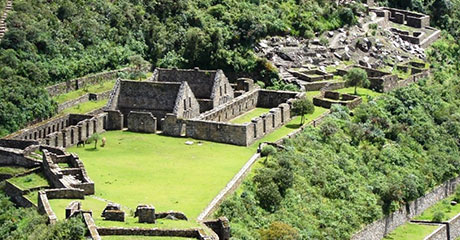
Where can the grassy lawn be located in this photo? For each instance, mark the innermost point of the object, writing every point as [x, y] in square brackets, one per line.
[33, 197]
[136, 168]
[442, 206]
[96, 88]
[245, 118]
[86, 107]
[97, 206]
[410, 231]
[12, 170]
[30, 181]
[362, 92]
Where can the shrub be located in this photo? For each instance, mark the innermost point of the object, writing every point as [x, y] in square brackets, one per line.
[438, 216]
[279, 231]
[267, 151]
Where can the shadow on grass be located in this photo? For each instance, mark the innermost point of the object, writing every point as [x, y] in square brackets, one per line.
[92, 149]
[293, 126]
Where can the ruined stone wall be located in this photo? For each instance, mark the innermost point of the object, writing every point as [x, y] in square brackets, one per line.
[413, 19]
[218, 132]
[16, 157]
[271, 98]
[85, 98]
[230, 110]
[413, 78]
[439, 234]
[120, 231]
[378, 229]
[222, 92]
[142, 122]
[78, 83]
[200, 81]
[186, 105]
[454, 227]
[15, 193]
[431, 39]
[44, 207]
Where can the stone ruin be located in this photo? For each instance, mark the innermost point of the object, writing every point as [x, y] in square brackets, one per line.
[328, 98]
[198, 104]
[113, 212]
[380, 41]
[145, 213]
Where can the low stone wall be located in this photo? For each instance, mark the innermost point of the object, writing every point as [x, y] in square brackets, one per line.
[82, 99]
[454, 227]
[439, 234]
[16, 157]
[16, 195]
[432, 38]
[328, 98]
[230, 110]
[218, 132]
[142, 122]
[91, 226]
[185, 233]
[413, 78]
[221, 227]
[65, 193]
[380, 228]
[44, 207]
[78, 83]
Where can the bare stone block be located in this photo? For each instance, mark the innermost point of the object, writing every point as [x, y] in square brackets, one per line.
[146, 213]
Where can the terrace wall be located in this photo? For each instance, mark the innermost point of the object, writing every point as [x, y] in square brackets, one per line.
[185, 233]
[230, 110]
[44, 207]
[380, 228]
[85, 98]
[78, 83]
[454, 227]
[16, 157]
[439, 234]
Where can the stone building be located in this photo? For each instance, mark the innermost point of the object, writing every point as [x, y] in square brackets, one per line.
[142, 106]
[211, 87]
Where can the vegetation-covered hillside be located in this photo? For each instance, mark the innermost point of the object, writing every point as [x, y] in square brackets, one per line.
[352, 170]
[28, 224]
[53, 41]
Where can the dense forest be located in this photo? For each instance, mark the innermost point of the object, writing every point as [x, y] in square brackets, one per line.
[352, 170]
[20, 223]
[53, 41]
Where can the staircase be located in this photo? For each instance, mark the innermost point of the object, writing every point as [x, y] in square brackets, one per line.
[8, 7]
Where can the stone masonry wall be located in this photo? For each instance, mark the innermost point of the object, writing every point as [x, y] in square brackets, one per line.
[439, 234]
[454, 227]
[230, 110]
[142, 122]
[78, 83]
[119, 231]
[378, 229]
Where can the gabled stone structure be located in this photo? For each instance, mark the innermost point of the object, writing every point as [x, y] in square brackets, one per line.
[211, 87]
[132, 98]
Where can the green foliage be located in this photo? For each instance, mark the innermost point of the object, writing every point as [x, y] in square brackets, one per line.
[356, 77]
[354, 169]
[267, 150]
[26, 223]
[438, 216]
[54, 41]
[303, 106]
[279, 231]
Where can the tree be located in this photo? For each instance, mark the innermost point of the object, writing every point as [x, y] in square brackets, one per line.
[94, 138]
[279, 231]
[138, 62]
[303, 106]
[357, 77]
